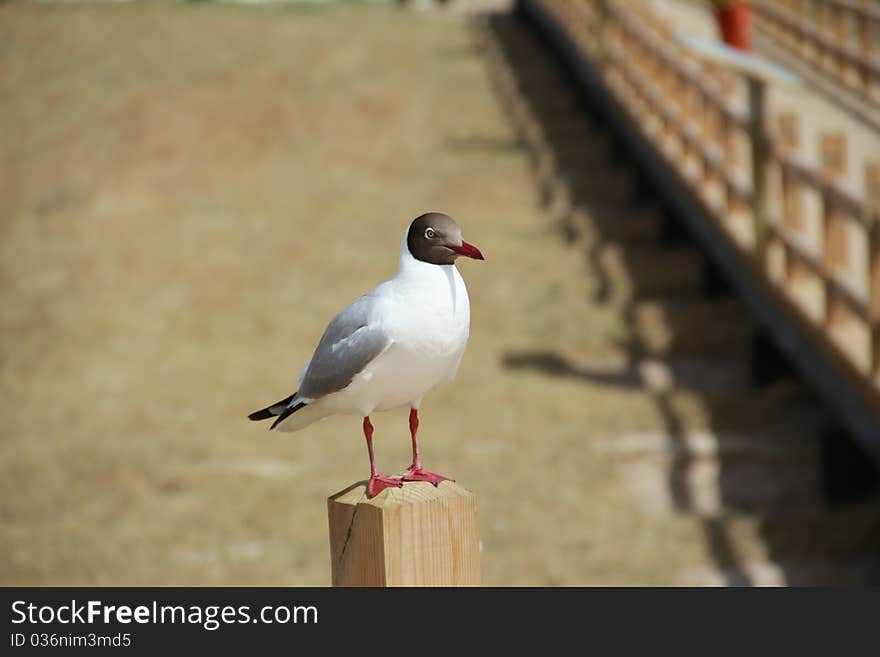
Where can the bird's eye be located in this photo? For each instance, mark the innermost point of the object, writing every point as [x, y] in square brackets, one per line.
[429, 233]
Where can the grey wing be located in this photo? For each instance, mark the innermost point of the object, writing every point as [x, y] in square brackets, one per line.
[350, 342]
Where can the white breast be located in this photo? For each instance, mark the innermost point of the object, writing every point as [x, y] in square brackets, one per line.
[426, 312]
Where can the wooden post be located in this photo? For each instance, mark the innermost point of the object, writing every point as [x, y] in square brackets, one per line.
[418, 535]
[667, 87]
[823, 19]
[709, 131]
[833, 154]
[760, 153]
[602, 16]
[835, 249]
[728, 139]
[688, 88]
[872, 188]
[866, 49]
[841, 28]
[802, 19]
[792, 193]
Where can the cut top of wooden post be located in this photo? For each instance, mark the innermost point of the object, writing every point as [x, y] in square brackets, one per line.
[417, 535]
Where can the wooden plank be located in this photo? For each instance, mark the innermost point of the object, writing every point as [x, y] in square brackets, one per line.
[417, 535]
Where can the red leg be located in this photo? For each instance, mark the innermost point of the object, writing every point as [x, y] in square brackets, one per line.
[415, 472]
[414, 434]
[378, 483]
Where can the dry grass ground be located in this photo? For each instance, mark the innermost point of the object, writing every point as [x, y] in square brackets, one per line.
[188, 194]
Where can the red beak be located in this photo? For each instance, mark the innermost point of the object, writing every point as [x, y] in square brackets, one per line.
[468, 250]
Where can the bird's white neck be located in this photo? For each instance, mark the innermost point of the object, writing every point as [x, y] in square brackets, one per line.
[410, 267]
[439, 286]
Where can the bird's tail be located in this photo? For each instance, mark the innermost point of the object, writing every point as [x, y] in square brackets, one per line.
[272, 410]
[281, 410]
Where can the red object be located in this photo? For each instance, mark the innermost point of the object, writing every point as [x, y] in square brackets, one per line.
[468, 250]
[378, 483]
[415, 472]
[735, 22]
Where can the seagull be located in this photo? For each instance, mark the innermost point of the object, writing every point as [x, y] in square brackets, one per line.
[391, 346]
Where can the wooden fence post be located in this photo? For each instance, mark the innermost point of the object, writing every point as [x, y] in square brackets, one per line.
[710, 133]
[806, 50]
[833, 155]
[835, 247]
[821, 22]
[602, 15]
[417, 535]
[872, 192]
[792, 188]
[760, 155]
[840, 29]
[866, 49]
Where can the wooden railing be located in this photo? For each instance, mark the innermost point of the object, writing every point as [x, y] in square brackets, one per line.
[839, 37]
[804, 228]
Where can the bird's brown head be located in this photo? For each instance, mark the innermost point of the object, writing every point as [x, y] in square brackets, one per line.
[435, 238]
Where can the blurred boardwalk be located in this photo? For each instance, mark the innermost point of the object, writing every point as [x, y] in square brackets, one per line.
[822, 108]
[181, 219]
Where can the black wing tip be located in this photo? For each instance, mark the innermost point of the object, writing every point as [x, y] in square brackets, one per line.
[272, 410]
[286, 414]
